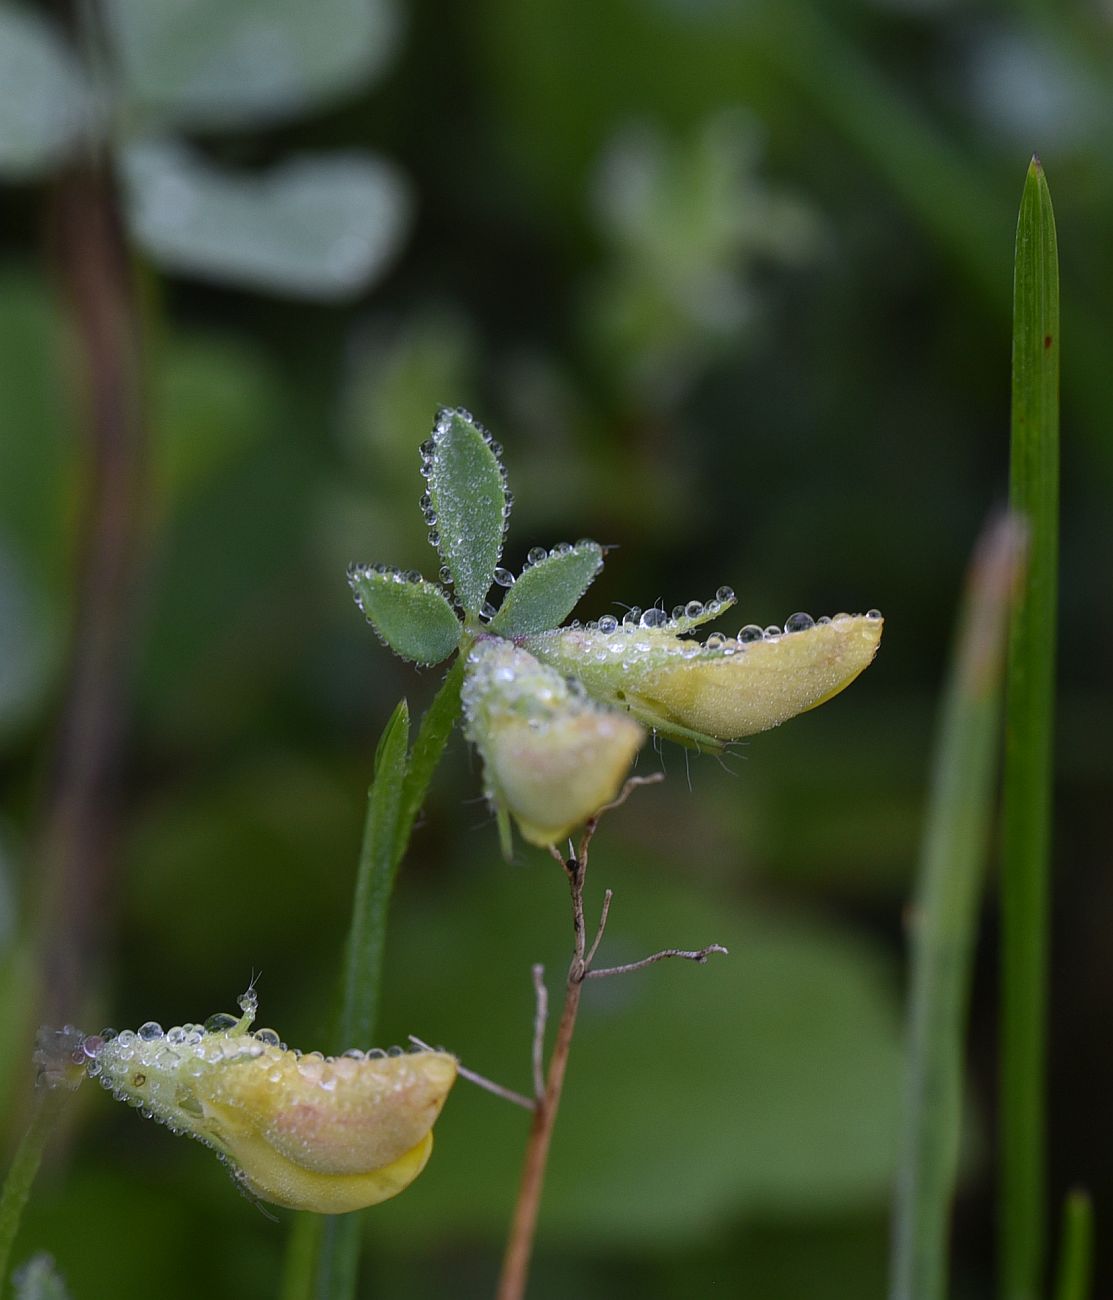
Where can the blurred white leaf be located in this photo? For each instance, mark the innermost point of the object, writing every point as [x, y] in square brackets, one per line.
[44, 100]
[238, 62]
[318, 226]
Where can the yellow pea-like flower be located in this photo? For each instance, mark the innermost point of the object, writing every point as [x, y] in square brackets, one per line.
[720, 690]
[552, 757]
[309, 1132]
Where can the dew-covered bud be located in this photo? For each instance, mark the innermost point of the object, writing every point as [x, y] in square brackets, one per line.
[309, 1132]
[725, 689]
[551, 756]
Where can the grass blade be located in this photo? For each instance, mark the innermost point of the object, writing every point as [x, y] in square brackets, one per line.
[952, 869]
[1076, 1248]
[1029, 720]
[397, 792]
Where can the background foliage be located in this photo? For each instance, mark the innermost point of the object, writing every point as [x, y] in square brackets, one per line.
[731, 285]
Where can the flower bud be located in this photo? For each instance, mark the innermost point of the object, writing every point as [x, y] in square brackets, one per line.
[725, 688]
[551, 756]
[309, 1132]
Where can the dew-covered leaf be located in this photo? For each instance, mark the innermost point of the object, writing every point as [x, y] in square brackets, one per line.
[468, 504]
[206, 63]
[413, 617]
[318, 226]
[44, 99]
[549, 589]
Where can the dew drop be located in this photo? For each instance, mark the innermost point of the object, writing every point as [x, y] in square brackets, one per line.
[799, 622]
[772, 632]
[219, 1022]
[724, 594]
[874, 615]
[751, 632]
[715, 641]
[445, 574]
[654, 618]
[488, 611]
[151, 1030]
[823, 620]
[537, 554]
[413, 576]
[504, 577]
[677, 612]
[693, 609]
[608, 624]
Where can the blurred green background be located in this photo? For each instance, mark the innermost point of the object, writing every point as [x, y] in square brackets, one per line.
[731, 284]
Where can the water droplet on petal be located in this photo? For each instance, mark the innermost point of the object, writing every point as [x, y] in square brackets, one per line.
[693, 609]
[772, 632]
[152, 1029]
[504, 577]
[724, 594]
[654, 618]
[537, 554]
[799, 622]
[751, 632]
[715, 641]
[219, 1022]
[608, 623]
[874, 614]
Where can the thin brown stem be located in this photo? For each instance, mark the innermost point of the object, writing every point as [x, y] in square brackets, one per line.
[523, 1229]
[481, 1080]
[699, 956]
[540, 1020]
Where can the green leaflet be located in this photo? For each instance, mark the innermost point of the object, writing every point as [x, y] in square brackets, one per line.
[548, 589]
[412, 616]
[468, 504]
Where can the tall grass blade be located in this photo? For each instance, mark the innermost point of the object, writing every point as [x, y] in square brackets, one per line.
[952, 869]
[1076, 1248]
[1029, 719]
[401, 781]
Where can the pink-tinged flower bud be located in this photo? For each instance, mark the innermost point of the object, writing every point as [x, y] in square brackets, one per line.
[724, 689]
[551, 756]
[310, 1132]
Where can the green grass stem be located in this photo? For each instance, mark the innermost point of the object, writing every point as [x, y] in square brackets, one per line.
[398, 788]
[944, 917]
[25, 1165]
[1029, 723]
[1076, 1248]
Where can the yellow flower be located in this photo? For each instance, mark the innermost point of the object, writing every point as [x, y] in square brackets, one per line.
[721, 690]
[551, 756]
[310, 1132]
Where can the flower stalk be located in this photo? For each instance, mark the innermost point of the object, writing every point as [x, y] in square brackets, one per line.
[523, 1226]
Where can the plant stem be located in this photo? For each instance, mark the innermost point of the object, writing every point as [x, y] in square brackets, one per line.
[25, 1165]
[523, 1227]
[397, 791]
[1029, 721]
[1076, 1248]
[945, 911]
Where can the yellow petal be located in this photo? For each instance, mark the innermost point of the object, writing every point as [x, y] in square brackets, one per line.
[551, 756]
[722, 690]
[328, 1134]
[764, 683]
